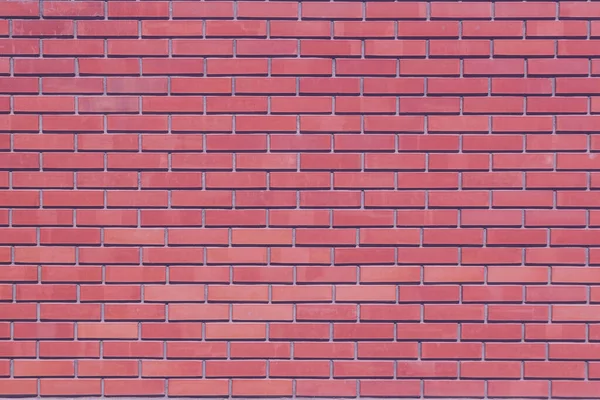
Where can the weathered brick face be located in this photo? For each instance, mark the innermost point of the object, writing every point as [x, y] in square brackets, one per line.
[310, 199]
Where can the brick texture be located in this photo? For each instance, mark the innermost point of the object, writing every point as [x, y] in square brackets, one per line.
[300, 199]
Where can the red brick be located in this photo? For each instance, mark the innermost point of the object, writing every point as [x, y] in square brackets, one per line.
[62, 387]
[420, 143]
[98, 255]
[195, 312]
[558, 67]
[94, 28]
[559, 29]
[400, 86]
[515, 351]
[324, 10]
[365, 179]
[416, 10]
[93, 368]
[550, 369]
[512, 86]
[329, 85]
[449, 10]
[21, 10]
[18, 387]
[306, 350]
[70, 312]
[541, 10]
[42, 28]
[142, 10]
[490, 369]
[575, 389]
[338, 387]
[363, 369]
[51, 66]
[88, 274]
[125, 387]
[131, 312]
[258, 350]
[277, 10]
[293, 368]
[17, 312]
[494, 29]
[29, 368]
[270, 387]
[505, 274]
[179, 331]
[85, 9]
[395, 48]
[248, 331]
[44, 330]
[238, 368]
[518, 388]
[375, 331]
[192, 387]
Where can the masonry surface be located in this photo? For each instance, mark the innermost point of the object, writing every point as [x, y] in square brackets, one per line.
[314, 199]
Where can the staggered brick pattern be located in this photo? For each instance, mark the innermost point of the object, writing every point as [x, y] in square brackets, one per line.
[309, 199]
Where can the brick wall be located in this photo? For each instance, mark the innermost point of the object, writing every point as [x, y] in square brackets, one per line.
[315, 199]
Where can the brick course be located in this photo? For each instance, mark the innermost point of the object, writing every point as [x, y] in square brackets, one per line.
[309, 199]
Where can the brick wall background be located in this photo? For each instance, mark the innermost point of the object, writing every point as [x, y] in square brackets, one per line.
[351, 199]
